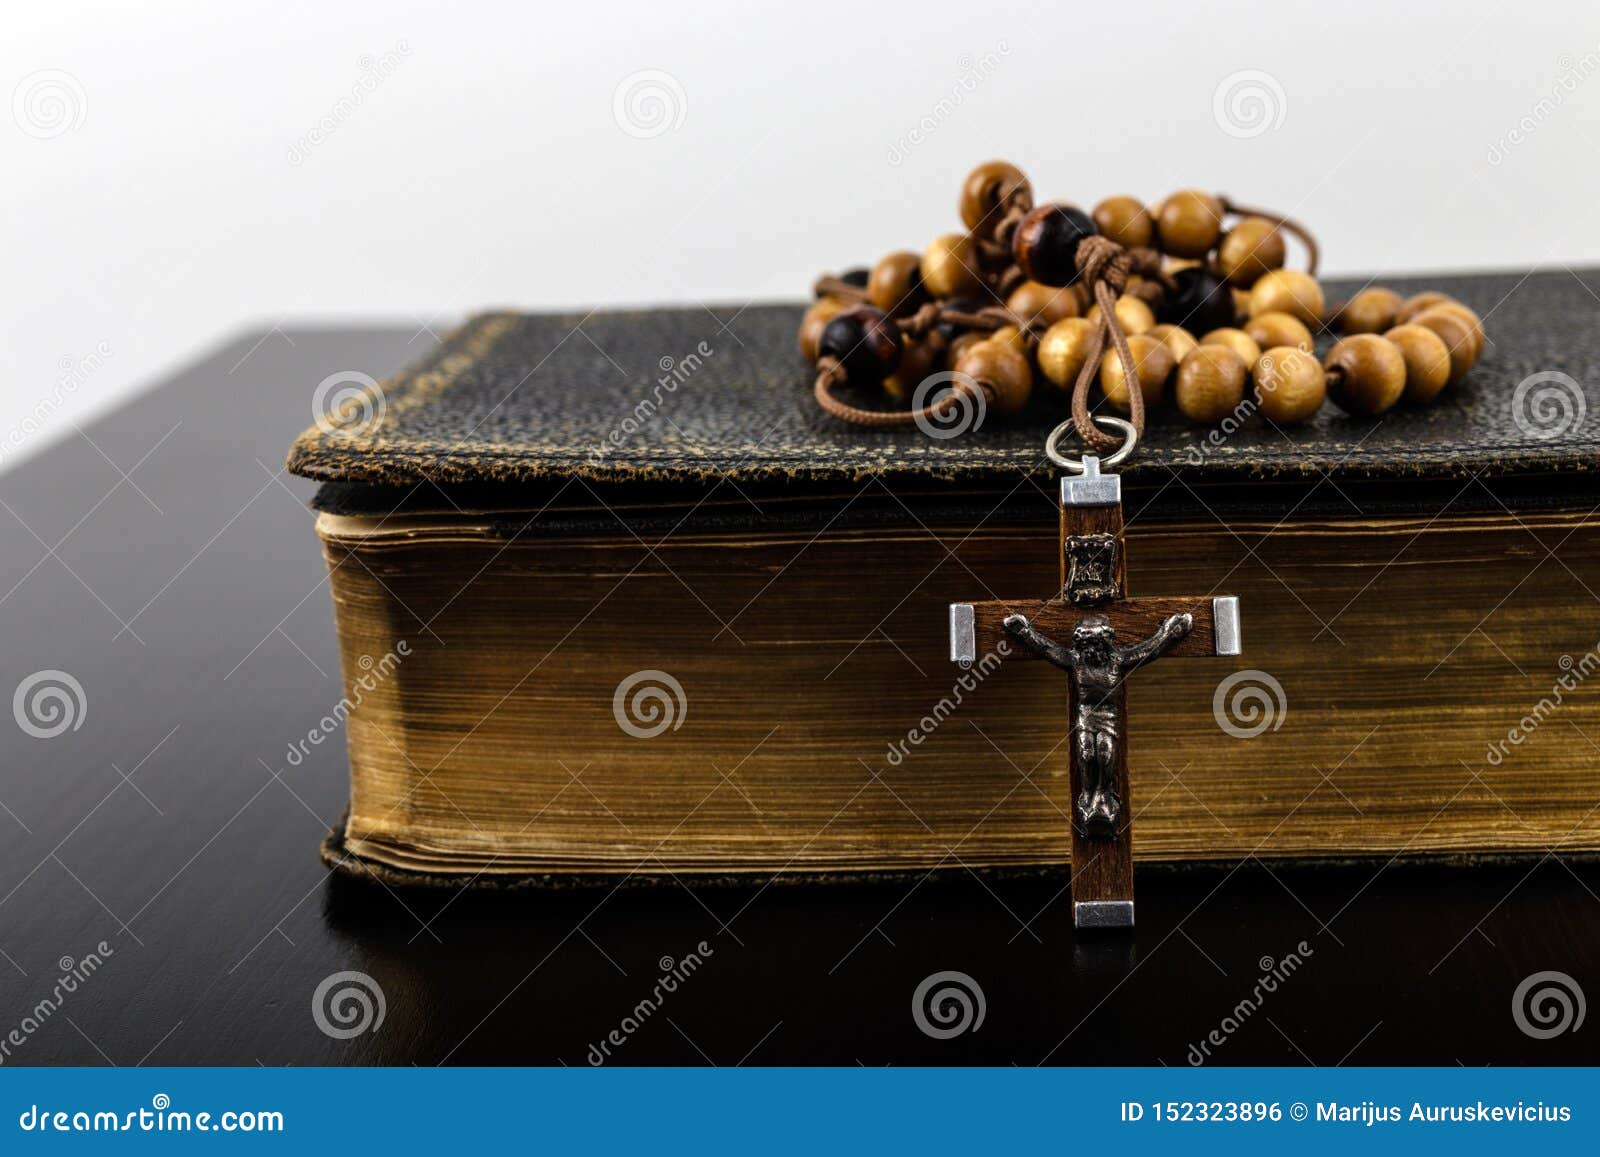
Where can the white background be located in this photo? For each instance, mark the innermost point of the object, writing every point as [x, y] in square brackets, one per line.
[165, 206]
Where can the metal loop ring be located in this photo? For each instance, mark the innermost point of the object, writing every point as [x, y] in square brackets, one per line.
[1107, 422]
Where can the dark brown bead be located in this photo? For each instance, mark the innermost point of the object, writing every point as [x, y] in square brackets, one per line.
[865, 342]
[916, 363]
[895, 285]
[1046, 243]
[987, 189]
[816, 319]
[1198, 301]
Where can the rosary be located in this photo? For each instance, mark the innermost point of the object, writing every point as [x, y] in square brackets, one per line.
[1076, 297]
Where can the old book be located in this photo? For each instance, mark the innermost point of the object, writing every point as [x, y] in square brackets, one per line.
[615, 600]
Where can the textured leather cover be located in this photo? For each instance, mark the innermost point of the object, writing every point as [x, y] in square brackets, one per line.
[510, 401]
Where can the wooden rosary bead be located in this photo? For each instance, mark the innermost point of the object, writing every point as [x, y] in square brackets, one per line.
[1241, 304]
[1042, 305]
[1151, 362]
[1458, 339]
[865, 342]
[1124, 220]
[1210, 383]
[822, 311]
[1252, 247]
[1367, 375]
[1045, 244]
[917, 360]
[1003, 370]
[1132, 314]
[1275, 329]
[1417, 302]
[1178, 340]
[961, 344]
[1063, 349]
[1241, 343]
[895, 285]
[1012, 336]
[1471, 318]
[1290, 384]
[986, 188]
[1288, 291]
[1370, 311]
[1427, 360]
[1189, 223]
[1198, 301]
[950, 267]
[856, 277]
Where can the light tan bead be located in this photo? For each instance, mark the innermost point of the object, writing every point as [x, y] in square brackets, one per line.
[1288, 291]
[1471, 318]
[1124, 220]
[1417, 302]
[1241, 303]
[1151, 361]
[1366, 374]
[950, 267]
[917, 360]
[1010, 335]
[1171, 265]
[1241, 343]
[1210, 383]
[986, 187]
[1178, 340]
[1063, 349]
[822, 311]
[1043, 305]
[1290, 384]
[1457, 334]
[961, 343]
[1370, 311]
[1275, 329]
[1252, 247]
[1132, 314]
[895, 283]
[1427, 360]
[1190, 223]
[1005, 372]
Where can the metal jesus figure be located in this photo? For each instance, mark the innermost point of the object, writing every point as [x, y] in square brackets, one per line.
[1097, 667]
[1089, 612]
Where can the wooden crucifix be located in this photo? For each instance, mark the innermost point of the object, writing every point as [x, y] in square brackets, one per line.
[1078, 630]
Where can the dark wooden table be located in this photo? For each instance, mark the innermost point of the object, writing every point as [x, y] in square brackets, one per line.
[163, 560]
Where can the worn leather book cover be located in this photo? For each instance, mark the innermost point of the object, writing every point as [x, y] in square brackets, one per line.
[548, 506]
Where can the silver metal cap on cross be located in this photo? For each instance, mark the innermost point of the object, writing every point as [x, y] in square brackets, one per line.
[1078, 630]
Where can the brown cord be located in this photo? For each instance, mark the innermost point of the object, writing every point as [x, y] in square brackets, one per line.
[830, 286]
[830, 374]
[1282, 222]
[1105, 267]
